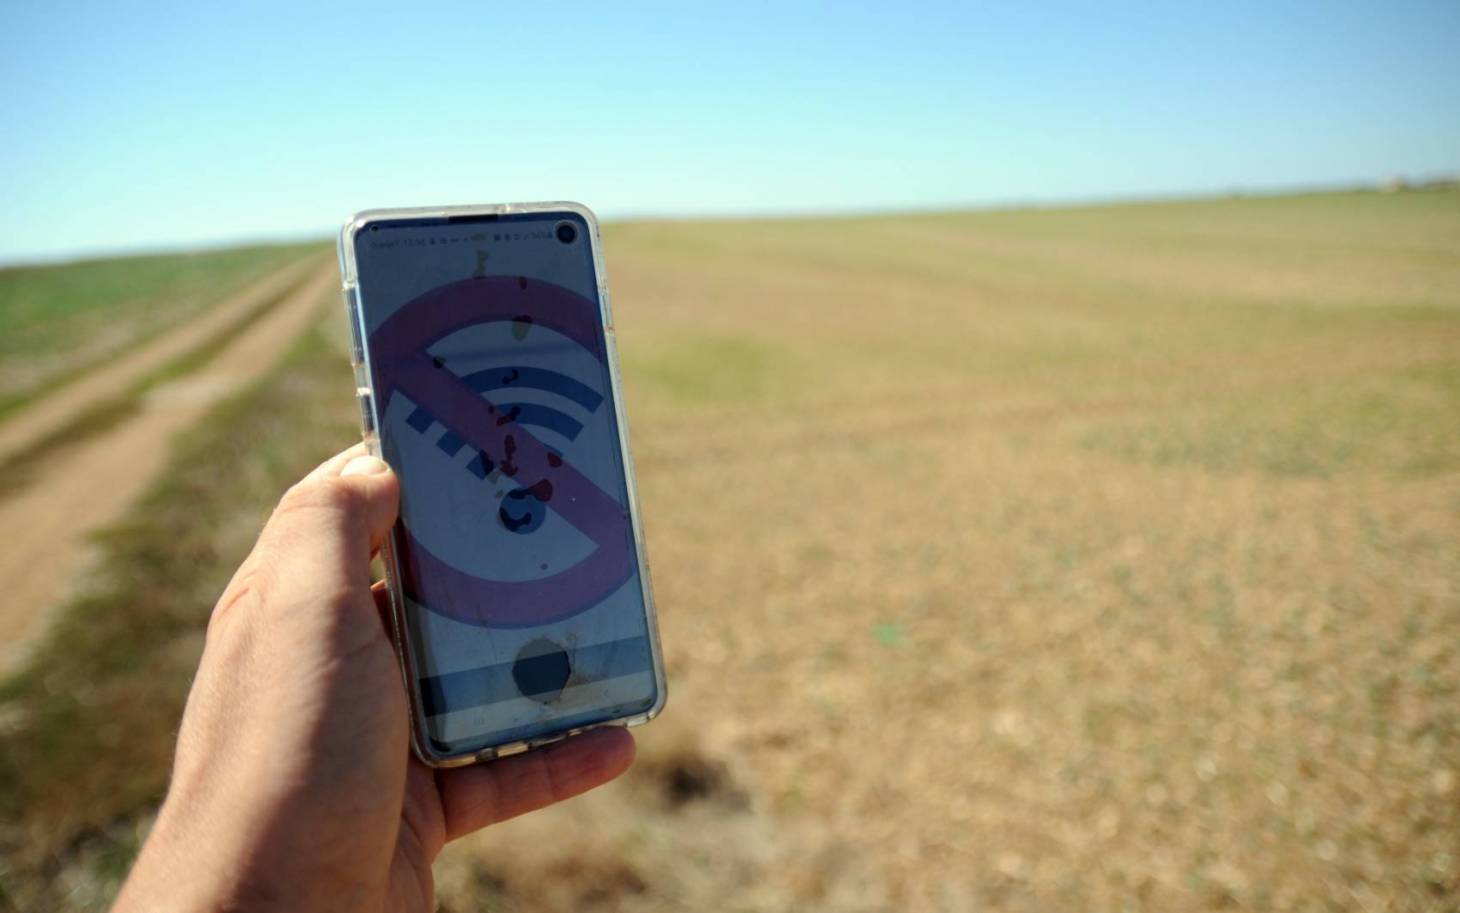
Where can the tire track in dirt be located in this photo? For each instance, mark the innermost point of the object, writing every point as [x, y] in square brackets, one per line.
[90, 485]
[52, 414]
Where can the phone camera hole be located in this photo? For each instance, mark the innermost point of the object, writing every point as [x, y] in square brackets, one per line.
[567, 232]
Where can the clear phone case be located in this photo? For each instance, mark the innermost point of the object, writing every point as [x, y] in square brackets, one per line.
[370, 422]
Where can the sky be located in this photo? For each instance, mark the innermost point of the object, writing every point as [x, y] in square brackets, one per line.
[127, 127]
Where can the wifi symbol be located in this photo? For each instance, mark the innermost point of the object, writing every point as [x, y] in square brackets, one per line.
[524, 508]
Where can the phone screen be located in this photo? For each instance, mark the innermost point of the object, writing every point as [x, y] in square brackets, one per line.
[494, 389]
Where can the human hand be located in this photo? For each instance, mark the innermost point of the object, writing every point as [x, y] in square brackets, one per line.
[294, 787]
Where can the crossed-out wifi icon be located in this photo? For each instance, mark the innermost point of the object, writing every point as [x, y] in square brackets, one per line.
[511, 421]
[525, 507]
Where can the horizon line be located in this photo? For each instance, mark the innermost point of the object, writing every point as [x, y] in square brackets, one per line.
[1437, 180]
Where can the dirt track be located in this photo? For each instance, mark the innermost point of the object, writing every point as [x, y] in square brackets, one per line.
[50, 414]
[91, 484]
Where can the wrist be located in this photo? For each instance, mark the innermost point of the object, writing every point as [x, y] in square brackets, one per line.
[169, 877]
[205, 857]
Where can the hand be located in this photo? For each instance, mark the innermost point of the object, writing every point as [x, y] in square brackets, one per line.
[294, 787]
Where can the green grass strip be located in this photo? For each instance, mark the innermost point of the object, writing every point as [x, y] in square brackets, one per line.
[89, 721]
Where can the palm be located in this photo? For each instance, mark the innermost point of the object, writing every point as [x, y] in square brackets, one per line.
[442, 805]
[422, 835]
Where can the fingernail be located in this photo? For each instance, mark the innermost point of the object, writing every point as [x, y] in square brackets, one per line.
[364, 466]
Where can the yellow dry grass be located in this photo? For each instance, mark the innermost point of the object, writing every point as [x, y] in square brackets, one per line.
[1099, 559]
[1080, 560]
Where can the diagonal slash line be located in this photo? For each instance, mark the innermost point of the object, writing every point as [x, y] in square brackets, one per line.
[473, 417]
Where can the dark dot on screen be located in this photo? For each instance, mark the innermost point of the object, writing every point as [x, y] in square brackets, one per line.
[438, 361]
[522, 282]
[542, 567]
[513, 524]
[554, 460]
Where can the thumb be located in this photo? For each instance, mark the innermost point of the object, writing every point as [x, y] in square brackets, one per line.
[318, 543]
[376, 486]
[346, 506]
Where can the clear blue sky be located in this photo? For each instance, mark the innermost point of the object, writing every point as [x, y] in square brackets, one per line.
[129, 126]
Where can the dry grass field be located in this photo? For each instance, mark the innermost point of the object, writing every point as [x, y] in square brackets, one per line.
[1094, 559]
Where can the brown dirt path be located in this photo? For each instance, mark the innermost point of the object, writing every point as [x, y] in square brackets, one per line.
[91, 485]
[40, 420]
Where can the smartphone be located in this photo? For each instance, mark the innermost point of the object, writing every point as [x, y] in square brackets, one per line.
[487, 378]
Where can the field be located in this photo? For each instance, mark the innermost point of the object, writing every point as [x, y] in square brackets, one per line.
[64, 318]
[1086, 559]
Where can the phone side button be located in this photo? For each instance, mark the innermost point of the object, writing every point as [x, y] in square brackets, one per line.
[607, 310]
[352, 316]
[367, 414]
